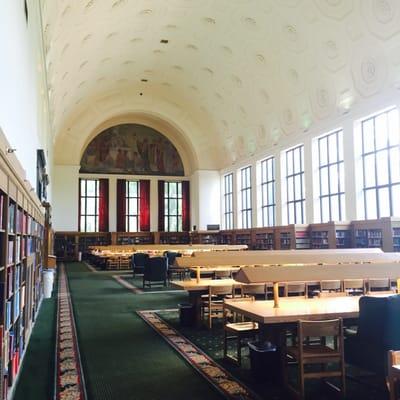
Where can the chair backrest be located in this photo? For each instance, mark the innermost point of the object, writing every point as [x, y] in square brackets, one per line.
[254, 289]
[332, 294]
[171, 255]
[379, 321]
[377, 284]
[156, 269]
[353, 284]
[219, 290]
[296, 288]
[113, 261]
[139, 259]
[332, 327]
[331, 285]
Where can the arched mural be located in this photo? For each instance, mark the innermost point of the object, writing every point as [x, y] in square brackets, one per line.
[131, 149]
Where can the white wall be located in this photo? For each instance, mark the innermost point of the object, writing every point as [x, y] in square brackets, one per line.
[22, 116]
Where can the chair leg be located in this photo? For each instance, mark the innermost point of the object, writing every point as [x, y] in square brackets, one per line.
[301, 379]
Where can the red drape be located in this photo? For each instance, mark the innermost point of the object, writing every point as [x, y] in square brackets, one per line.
[161, 206]
[103, 205]
[144, 187]
[79, 205]
[185, 205]
[121, 205]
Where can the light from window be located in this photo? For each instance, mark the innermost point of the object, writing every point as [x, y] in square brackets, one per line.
[173, 206]
[268, 203]
[295, 191]
[228, 201]
[89, 202]
[331, 176]
[381, 164]
[245, 196]
[132, 206]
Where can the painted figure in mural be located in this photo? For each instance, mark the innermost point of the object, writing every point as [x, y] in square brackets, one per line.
[131, 149]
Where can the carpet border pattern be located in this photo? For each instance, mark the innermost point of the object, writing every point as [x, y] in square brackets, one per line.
[70, 383]
[230, 387]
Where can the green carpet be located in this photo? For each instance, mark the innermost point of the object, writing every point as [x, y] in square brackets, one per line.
[122, 357]
[138, 282]
[36, 381]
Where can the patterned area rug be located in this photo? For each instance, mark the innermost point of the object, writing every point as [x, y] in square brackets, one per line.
[70, 384]
[219, 377]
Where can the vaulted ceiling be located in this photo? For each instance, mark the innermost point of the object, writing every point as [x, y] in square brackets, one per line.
[234, 76]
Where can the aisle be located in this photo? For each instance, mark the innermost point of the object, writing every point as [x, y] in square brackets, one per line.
[122, 357]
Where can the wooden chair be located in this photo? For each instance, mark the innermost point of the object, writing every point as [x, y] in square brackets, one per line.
[354, 286]
[295, 289]
[212, 306]
[257, 291]
[332, 294]
[112, 263]
[238, 331]
[393, 373]
[379, 285]
[319, 353]
[331, 286]
[124, 263]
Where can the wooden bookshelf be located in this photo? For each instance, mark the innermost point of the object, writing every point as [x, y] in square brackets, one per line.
[205, 237]
[331, 235]
[174, 238]
[132, 238]
[227, 237]
[21, 258]
[293, 237]
[243, 236]
[263, 239]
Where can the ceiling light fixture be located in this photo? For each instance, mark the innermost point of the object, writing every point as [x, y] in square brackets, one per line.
[10, 150]
[164, 41]
[144, 80]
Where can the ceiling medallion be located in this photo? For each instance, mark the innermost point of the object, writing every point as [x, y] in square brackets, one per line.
[383, 11]
[368, 70]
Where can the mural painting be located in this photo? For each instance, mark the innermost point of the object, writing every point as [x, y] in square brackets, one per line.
[131, 149]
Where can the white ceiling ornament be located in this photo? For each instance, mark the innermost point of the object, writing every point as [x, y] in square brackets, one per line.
[369, 69]
[382, 17]
[337, 9]
[322, 98]
[288, 120]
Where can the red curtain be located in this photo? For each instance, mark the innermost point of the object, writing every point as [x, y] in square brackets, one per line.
[121, 205]
[103, 205]
[144, 187]
[185, 205]
[161, 206]
[79, 205]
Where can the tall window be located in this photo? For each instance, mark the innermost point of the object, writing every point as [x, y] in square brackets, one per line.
[132, 197]
[228, 201]
[245, 197]
[173, 206]
[268, 191]
[381, 164]
[331, 176]
[89, 205]
[295, 191]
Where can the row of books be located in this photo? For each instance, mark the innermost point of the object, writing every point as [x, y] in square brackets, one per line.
[19, 221]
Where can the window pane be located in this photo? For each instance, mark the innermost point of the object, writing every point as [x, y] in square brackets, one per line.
[91, 206]
[173, 207]
[342, 208]
[382, 166]
[323, 152]
[166, 223]
[291, 213]
[90, 224]
[341, 177]
[340, 145]
[384, 205]
[333, 179]
[395, 165]
[369, 170]
[271, 215]
[325, 209]
[83, 228]
[264, 190]
[396, 200]
[297, 187]
[179, 210]
[179, 187]
[381, 131]
[290, 189]
[133, 189]
[91, 188]
[172, 224]
[289, 162]
[248, 204]
[271, 194]
[335, 208]
[370, 198]
[368, 135]
[324, 181]
[83, 187]
[332, 147]
[296, 159]
[393, 127]
[133, 209]
[299, 217]
[172, 189]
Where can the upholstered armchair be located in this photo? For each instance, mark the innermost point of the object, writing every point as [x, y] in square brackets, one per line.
[138, 262]
[155, 271]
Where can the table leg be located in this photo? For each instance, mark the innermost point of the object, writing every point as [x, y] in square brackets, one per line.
[195, 300]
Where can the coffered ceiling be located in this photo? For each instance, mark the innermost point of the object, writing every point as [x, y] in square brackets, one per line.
[234, 76]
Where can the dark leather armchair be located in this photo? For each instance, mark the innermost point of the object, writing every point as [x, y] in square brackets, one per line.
[378, 331]
[138, 262]
[171, 256]
[155, 271]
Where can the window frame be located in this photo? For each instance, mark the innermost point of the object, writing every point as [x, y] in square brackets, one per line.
[265, 204]
[388, 147]
[293, 176]
[245, 197]
[228, 201]
[83, 213]
[129, 197]
[167, 200]
[329, 165]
